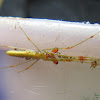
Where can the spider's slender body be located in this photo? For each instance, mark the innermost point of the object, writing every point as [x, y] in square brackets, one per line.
[48, 55]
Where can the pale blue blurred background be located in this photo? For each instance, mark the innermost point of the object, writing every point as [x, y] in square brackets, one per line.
[3, 91]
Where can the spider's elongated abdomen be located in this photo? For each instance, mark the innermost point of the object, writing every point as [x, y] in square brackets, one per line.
[31, 54]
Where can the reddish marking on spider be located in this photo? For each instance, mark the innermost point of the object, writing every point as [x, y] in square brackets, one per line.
[81, 58]
[11, 66]
[68, 48]
[55, 50]
[55, 61]
[91, 36]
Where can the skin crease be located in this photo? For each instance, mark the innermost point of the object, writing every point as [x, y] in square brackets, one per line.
[46, 80]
